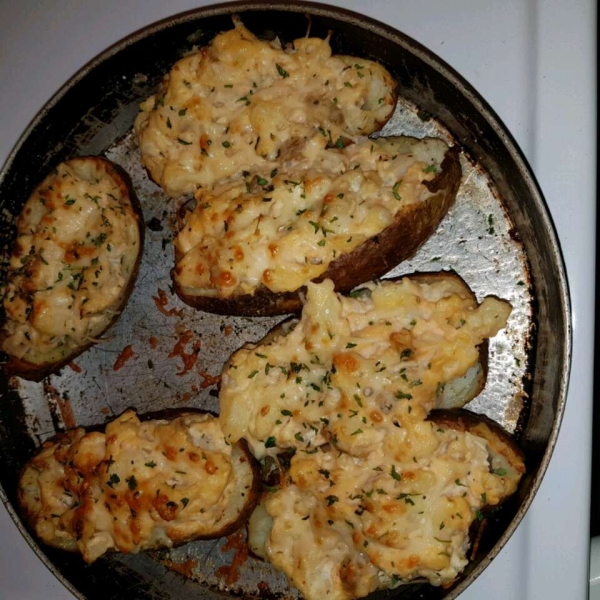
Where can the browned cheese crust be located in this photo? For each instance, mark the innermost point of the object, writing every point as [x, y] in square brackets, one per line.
[413, 225]
[38, 371]
[242, 500]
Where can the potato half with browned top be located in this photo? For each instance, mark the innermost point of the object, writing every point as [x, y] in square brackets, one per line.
[249, 247]
[240, 103]
[360, 369]
[138, 485]
[73, 266]
[384, 520]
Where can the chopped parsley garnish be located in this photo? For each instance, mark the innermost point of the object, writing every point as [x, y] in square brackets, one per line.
[500, 472]
[271, 442]
[403, 395]
[395, 473]
[182, 112]
[185, 501]
[252, 374]
[287, 413]
[282, 71]
[331, 499]
[150, 464]
[114, 478]
[131, 482]
[406, 497]
[430, 169]
[395, 190]
[350, 345]
[226, 144]
[99, 240]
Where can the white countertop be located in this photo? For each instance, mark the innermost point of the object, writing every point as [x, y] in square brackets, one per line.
[534, 62]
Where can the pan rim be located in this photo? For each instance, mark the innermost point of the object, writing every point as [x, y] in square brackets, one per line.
[465, 89]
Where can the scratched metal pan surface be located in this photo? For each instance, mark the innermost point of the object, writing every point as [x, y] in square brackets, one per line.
[498, 237]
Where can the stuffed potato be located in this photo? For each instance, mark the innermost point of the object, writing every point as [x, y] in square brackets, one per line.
[73, 266]
[138, 485]
[249, 247]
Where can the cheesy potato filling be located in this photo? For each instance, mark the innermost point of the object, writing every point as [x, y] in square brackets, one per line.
[136, 486]
[386, 518]
[282, 228]
[77, 245]
[239, 102]
[360, 371]
[375, 494]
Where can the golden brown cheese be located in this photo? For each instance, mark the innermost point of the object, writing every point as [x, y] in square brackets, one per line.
[239, 102]
[77, 246]
[375, 521]
[356, 368]
[283, 228]
[139, 485]
[375, 494]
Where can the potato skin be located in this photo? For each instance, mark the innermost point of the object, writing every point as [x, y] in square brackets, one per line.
[252, 495]
[500, 441]
[372, 259]
[37, 372]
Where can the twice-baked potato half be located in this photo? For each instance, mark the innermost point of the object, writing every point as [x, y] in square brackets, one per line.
[73, 265]
[399, 514]
[358, 370]
[249, 247]
[138, 485]
[240, 103]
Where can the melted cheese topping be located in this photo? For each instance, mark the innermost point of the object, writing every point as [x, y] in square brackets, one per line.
[356, 368]
[375, 521]
[377, 493]
[238, 103]
[284, 227]
[77, 245]
[139, 485]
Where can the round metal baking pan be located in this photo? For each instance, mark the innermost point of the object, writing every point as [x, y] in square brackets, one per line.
[499, 237]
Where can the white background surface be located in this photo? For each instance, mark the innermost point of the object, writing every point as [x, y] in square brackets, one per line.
[534, 62]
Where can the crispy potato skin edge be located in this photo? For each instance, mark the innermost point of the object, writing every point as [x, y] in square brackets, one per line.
[372, 259]
[252, 499]
[461, 419]
[37, 372]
